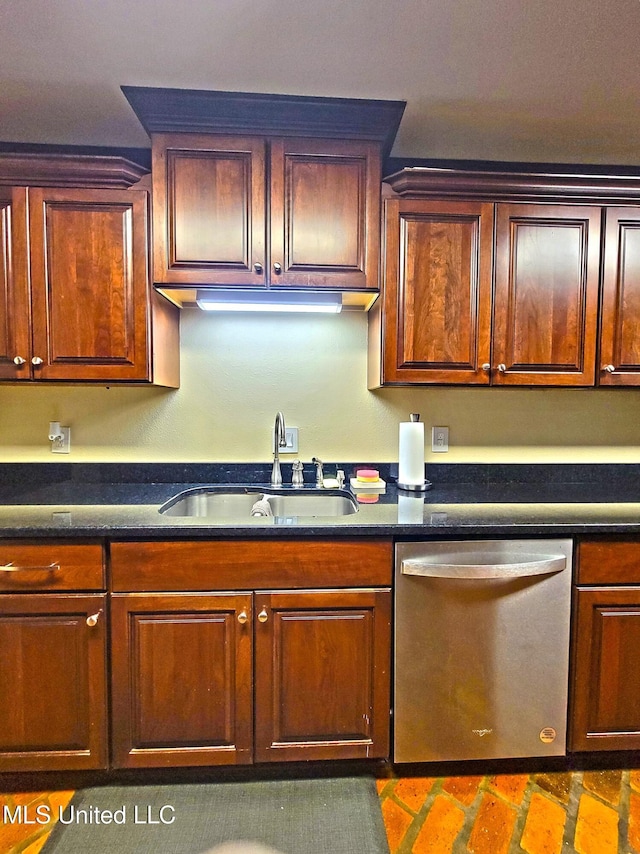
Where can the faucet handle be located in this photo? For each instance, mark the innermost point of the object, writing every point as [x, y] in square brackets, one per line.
[319, 475]
[297, 477]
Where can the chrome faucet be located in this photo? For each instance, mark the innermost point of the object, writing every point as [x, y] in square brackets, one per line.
[279, 441]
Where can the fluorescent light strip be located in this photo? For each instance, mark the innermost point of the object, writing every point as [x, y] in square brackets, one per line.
[324, 303]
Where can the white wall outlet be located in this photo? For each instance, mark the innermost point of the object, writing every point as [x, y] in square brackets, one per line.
[439, 439]
[291, 439]
[61, 443]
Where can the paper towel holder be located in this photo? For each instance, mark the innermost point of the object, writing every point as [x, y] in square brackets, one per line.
[415, 487]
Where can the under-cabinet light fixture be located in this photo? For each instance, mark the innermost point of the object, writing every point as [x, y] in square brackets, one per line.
[295, 301]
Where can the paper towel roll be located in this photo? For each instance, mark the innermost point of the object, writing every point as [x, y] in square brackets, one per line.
[411, 454]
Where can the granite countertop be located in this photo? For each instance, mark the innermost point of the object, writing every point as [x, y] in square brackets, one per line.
[122, 502]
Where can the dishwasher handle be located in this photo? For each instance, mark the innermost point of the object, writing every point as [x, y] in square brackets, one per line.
[523, 566]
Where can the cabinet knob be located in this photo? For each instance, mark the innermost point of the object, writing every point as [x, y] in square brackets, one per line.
[257, 268]
[263, 616]
[242, 617]
[93, 619]
[609, 368]
[18, 360]
[502, 367]
[277, 268]
[37, 360]
[486, 366]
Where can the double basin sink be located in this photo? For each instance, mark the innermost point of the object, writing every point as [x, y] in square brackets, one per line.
[242, 502]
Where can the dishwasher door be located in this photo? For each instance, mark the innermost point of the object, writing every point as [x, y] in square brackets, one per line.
[481, 649]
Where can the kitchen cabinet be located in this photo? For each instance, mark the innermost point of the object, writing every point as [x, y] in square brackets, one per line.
[620, 318]
[53, 713]
[267, 212]
[440, 320]
[437, 296]
[605, 711]
[75, 302]
[494, 279]
[283, 664]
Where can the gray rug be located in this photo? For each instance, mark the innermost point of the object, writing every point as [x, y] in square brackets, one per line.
[334, 815]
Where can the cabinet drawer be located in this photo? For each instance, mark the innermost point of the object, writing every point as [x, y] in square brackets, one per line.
[250, 564]
[26, 567]
[606, 561]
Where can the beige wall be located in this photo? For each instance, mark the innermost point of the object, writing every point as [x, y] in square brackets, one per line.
[237, 372]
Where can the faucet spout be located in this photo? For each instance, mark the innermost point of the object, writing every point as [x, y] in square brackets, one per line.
[279, 441]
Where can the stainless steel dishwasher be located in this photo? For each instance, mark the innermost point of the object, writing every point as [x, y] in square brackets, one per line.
[481, 649]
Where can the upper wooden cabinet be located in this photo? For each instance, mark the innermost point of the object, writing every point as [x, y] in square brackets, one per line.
[216, 199]
[436, 304]
[265, 191]
[546, 295]
[75, 297]
[620, 321]
[495, 278]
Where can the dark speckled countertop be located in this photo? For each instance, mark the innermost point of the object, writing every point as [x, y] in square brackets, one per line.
[121, 501]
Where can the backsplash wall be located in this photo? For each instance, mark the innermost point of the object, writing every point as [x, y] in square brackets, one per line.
[238, 371]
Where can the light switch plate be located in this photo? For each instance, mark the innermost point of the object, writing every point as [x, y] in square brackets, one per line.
[291, 438]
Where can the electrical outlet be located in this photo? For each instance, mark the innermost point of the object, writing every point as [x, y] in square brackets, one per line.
[439, 439]
[61, 444]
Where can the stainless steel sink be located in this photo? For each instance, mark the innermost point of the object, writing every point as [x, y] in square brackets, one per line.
[237, 502]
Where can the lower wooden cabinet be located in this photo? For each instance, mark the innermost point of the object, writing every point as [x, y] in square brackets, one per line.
[231, 678]
[53, 704]
[606, 695]
[322, 674]
[209, 667]
[53, 675]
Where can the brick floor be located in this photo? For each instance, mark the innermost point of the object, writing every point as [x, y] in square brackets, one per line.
[590, 812]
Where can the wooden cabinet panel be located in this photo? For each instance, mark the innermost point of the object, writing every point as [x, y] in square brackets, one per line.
[53, 686]
[249, 564]
[209, 209]
[26, 567]
[324, 213]
[89, 284]
[602, 560]
[606, 699]
[620, 313]
[546, 294]
[181, 679]
[322, 675]
[260, 211]
[15, 316]
[437, 292]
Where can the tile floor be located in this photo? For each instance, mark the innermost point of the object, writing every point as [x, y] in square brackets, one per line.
[589, 812]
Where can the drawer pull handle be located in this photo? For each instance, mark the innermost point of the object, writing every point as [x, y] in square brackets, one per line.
[263, 616]
[9, 567]
[93, 619]
[242, 617]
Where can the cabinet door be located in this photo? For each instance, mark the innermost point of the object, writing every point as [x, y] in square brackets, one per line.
[89, 284]
[208, 209]
[53, 685]
[181, 679]
[620, 321]
[546, 295]
[606, 695]
[437, 292]
[322, 679]
[15, 315]
[325, 213]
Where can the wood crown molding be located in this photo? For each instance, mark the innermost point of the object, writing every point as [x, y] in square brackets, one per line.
[436, 182]
[201, 111]
[68, 170]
